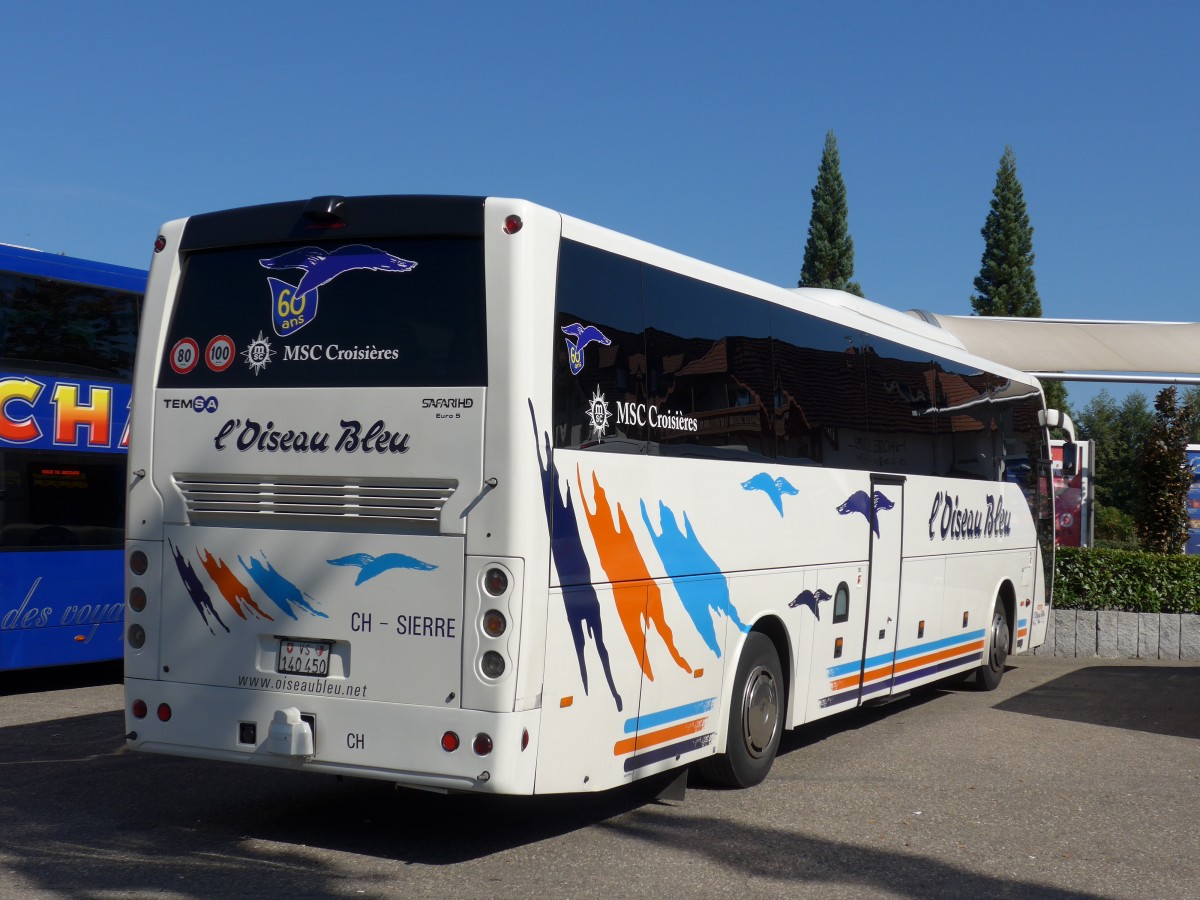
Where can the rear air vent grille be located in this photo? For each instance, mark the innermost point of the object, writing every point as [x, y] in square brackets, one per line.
[276, 501]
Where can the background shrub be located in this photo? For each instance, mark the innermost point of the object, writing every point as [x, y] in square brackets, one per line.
[1128, 580]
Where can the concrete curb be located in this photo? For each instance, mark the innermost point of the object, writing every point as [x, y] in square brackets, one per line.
[1108, 634]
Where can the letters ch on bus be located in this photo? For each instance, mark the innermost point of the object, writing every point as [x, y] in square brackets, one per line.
[75, 410]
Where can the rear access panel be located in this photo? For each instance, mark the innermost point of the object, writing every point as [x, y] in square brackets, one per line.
[361, 616]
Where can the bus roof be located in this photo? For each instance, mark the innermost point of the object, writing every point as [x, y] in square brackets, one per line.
[26, 261]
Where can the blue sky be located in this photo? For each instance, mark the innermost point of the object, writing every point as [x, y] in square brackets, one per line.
[697, 126]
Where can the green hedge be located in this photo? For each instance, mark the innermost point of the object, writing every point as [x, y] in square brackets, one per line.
[1128, 580]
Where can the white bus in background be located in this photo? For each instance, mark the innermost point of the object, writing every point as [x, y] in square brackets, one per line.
[467, 494]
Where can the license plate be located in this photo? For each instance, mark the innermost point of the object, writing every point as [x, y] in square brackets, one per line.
[304, 657]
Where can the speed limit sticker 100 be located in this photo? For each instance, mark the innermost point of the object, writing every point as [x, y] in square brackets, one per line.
[184, 355]
[219, 353]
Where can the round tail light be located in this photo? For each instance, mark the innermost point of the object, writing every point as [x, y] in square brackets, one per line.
[492, 664]
[494, 623]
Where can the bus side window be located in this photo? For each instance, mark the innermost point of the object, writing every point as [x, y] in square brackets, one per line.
[841, 603]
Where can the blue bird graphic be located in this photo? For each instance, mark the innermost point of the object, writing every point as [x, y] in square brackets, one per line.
[372, 566]
[321, 268]
[584, 335]
[774, 488]
[867, 505]
[811, 599]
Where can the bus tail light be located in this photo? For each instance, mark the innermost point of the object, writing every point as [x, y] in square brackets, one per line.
[482, 745]
[513, 224]
[137, 636]
[492, 664]
[494, 623]
[495, 581]
[164, 712]
[139, 709]
[138, 562]
[137, 599]
[450, 741]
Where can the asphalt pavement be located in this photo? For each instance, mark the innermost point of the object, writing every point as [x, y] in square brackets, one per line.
[1075, 779]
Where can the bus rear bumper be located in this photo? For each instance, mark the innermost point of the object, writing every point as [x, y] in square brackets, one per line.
[425, 747]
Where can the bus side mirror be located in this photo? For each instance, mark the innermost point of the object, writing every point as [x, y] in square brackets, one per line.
[1070, 459]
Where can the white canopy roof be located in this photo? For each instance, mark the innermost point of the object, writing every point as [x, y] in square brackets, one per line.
[1081, 350]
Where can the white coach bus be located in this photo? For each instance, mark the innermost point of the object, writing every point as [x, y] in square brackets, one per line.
[469, 495]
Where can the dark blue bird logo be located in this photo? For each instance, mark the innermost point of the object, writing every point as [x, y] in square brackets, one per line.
[294, 306]
[868, 505]
[775, 488]
[584, 335]
[811, 599]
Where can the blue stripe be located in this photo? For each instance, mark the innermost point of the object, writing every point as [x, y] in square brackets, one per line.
[666, 716]
[896, 680]
[943, 644]
[658, 754]
[906, 653]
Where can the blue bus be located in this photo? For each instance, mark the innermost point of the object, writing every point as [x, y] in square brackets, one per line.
[67, 333]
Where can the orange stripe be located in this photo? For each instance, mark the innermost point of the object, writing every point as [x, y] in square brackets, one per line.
[938, 657]
[906, 665]
[642, 741]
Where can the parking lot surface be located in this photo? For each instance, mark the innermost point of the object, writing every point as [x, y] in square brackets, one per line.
[1075, 779]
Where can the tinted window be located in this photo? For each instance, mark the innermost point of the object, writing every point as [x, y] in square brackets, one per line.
[969, 422]
[599, 350]
[903, 409]
[709, 367]
[380, 313]
[61, 499]
[56, 326]
[820, 411]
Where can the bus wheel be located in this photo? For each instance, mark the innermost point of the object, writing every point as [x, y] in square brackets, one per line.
[987, 677]
[755, 720]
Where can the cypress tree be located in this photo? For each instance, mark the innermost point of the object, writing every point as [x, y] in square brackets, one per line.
[829, 252]
[1006, 283]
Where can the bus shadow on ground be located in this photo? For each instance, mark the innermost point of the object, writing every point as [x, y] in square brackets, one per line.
[81, 817]
[1154, 699]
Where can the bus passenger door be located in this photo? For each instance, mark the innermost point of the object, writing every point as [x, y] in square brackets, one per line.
[883, 587]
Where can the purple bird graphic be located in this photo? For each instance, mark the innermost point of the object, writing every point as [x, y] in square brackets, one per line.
[294, 306]
[321, 268]
[866, 505]
[584, 335]
[811, 599]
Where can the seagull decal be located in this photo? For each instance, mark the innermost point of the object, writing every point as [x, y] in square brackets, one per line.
[868, 505]
[290, 307]
[811, 599]
[774, 488]
[584, 335]
[371, 566]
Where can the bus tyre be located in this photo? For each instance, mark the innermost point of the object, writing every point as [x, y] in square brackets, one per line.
[987, 676]
[755, 720]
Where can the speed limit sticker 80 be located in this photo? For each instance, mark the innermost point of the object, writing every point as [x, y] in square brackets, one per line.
[219, 353]
[184, 356]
